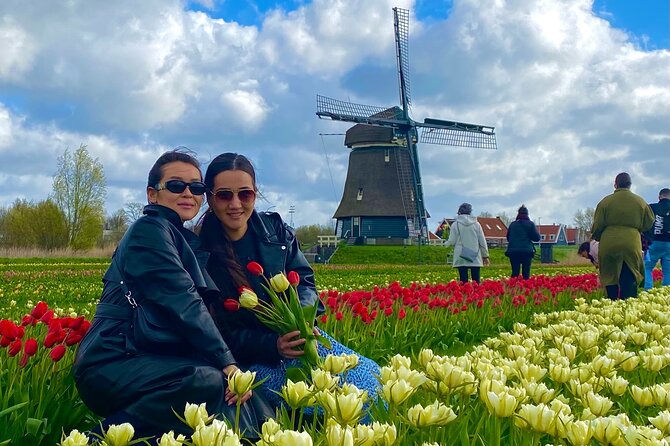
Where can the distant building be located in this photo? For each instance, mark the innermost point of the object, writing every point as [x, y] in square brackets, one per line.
[558, 234]
[495, 230]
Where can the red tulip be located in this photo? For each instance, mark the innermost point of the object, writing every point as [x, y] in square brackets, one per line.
[231, 305]
[324, 318]
[85, 325]
[27, 320]
[293, 278]
[9, 329]
[14, 347]
[39, 310]
[72, 338]
[23, 361]
[255, 268]
[31, 347]
[47, 317]
[339, 316]
[401, 314]
[57, 353]
[5, 341]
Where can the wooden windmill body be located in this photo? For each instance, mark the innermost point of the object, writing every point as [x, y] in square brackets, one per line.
[383, 192]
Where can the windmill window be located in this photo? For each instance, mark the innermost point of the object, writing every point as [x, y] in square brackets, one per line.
[387, 155]
[357, 221]
[359, 197]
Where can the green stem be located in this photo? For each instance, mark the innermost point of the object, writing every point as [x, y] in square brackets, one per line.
[238, 408]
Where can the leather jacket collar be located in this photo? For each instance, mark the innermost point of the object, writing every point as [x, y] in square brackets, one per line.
[165, 212]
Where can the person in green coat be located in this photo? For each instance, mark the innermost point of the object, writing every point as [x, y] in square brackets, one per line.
[618, 221]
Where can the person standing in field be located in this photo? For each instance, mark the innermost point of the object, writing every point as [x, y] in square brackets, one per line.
[470, 249]
[618, 221]
[521, 234]
[659, 239]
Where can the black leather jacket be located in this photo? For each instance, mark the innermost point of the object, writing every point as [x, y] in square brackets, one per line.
[278, 250]
[157, 261]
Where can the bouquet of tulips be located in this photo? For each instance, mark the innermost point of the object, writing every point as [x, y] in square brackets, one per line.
[284, 314]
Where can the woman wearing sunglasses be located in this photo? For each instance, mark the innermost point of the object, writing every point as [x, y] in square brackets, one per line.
[128, 377]
[235, 234]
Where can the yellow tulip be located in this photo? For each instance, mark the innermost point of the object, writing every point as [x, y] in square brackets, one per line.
[662, 421]
[170, 440]
[269, 429]
[436, 414]
[119, 435]
[642, 396]
[337, 435]
[617, 385]
[279, 283]
[335, 364]
[607, 430]
[248, 299]
[349, 408]
[425, 356]
[602, 365]
[396, 392]
[559, 373]
[599, 405]
[323, 380]
[503, 404]
[298, 394]
[579, 433]
[539, 392]
[215, 434]
[75, 438]
[195, 415]
[240, 382]
[292, 438]
[414, 377]
[364, 435]
[400, 361]
[654, 363]
[385, 434]
[630, 363]
[638, 338]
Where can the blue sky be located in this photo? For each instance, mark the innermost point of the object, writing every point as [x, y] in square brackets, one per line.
[640, 17]
[577, 92]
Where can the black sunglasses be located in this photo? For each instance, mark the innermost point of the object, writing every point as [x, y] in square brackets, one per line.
[245, 195]
[178, 186]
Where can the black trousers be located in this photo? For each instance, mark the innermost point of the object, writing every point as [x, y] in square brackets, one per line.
[520, 262]
[463, 273]
[627, 286]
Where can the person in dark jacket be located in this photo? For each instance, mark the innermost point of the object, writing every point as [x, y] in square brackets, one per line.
[236, 234]
[128, 379]
[521, 234]
[659, 240]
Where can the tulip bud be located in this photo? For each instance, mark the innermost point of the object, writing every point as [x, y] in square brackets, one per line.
[323, 380]
[15, 347]
[39, 310]
[231, 305]
[31, 347]
[293, 278]
[119, 435]
[279, 283]
[436, 414]
[297, 394]
[248, 299]
[425, 356]
[396, 392]
[255, 268]
[195, 415]
[642, 396]
[57, 353]
[170, 440]
[337, 435]
[75, 438]
[292, 438]
[240, 382]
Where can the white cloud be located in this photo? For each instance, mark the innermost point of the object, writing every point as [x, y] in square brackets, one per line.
[574, 100]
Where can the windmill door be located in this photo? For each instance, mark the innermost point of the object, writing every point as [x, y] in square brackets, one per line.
[356, 227]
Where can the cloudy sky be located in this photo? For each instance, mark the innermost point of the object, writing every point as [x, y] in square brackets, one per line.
[577, 91]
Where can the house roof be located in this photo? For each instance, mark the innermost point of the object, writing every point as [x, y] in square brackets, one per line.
[548, 230]
[493, 227]
[571, 235]
[432, 236]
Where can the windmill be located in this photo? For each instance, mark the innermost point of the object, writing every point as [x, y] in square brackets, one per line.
[384, 138]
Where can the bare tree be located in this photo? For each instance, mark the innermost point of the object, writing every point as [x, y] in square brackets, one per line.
[79, 191]
[504, 216]
[133, 211]
[583, 221]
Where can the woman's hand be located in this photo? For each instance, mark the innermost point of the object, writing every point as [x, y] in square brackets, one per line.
[486, 260]
[229, 396]
[286, 344]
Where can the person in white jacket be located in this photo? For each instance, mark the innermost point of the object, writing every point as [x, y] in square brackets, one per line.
[467, 238]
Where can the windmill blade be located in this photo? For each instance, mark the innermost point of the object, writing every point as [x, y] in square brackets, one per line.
[401, 26]
[337, 110]
[459, 134]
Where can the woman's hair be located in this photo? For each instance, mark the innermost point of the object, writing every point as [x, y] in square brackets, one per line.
[584, 247]
[212, 235]
[522, 213]
[181, 154]
[465, 209]
[228, 161]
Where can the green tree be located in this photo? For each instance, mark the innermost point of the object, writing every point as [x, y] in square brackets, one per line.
[18, 229]
[49, 226]
[309, 234]
[79, 191]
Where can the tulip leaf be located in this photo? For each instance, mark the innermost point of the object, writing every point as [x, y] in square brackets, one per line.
[13, 408]
[324, 341]
[295, 374]
[36, 427]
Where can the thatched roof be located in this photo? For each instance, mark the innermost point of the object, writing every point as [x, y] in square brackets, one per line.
[377, 182]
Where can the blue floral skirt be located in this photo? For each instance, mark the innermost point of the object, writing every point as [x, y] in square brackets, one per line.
[364, 375]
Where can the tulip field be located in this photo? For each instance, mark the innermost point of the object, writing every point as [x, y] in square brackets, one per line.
[544, 361]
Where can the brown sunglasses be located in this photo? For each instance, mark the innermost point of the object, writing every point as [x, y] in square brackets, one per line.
[245, 195]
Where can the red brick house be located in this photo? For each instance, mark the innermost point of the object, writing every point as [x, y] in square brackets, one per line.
[495, 231]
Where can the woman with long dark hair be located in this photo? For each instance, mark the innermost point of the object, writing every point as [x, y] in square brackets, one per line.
[521, 234]
[234, 234]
